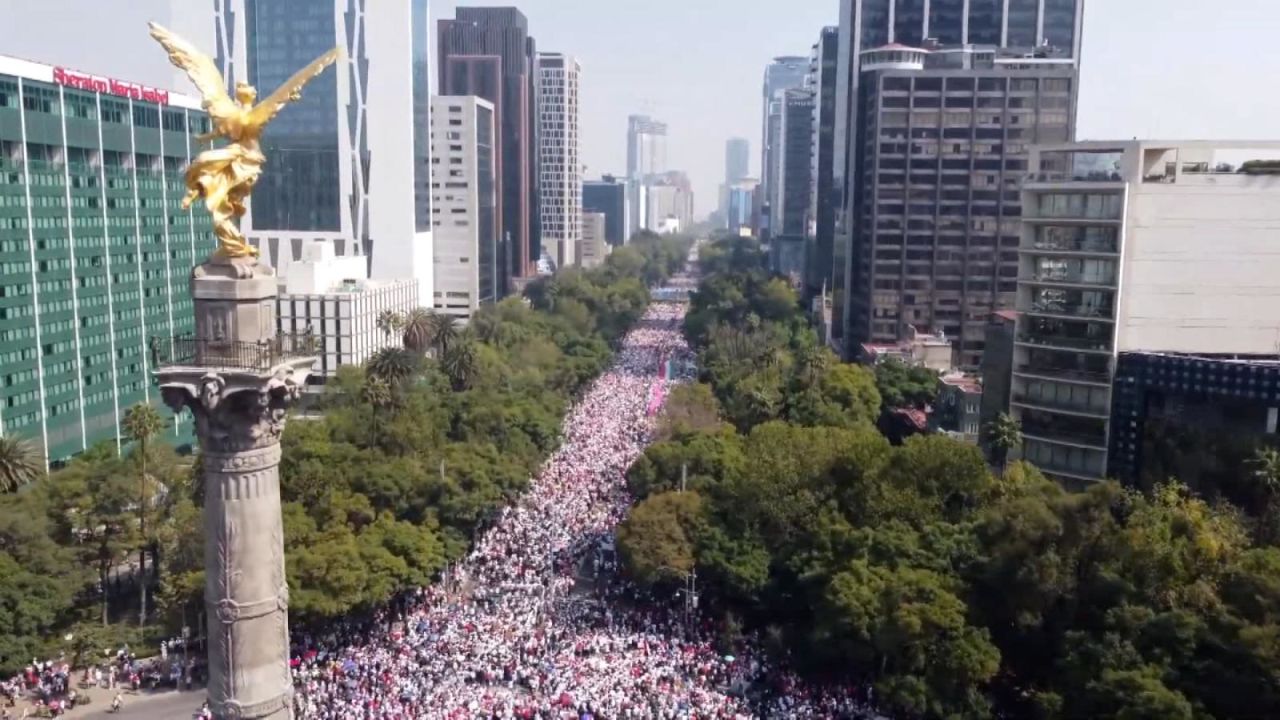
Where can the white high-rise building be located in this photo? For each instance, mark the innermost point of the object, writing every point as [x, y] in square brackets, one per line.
[464, 199]
[594, 246]
[560, 168]
[646, 158]
[1135, 245]
[349, 163]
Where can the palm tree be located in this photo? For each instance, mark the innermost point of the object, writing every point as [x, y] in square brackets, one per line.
[444, 332]
[1003, 434]
[393, 365]
[20, 463]
[417, 328]
[141, 423]
[459, 363]
[378, 393]
[1266, 469]
[813, 363]
[487, 328]
[390, 322]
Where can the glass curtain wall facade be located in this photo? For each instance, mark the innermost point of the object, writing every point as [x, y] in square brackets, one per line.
[608, 196]
[95, 253]
[420, 17]
[823, 199]
[501, 35]
[283, 36]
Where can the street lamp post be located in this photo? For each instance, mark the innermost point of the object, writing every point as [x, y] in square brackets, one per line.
[690, 591]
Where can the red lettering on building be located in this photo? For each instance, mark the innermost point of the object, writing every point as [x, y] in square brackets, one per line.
[94, 83]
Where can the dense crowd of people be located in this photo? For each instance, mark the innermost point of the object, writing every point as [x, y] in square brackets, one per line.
[533, 624]
[536, 622]
[52, 688]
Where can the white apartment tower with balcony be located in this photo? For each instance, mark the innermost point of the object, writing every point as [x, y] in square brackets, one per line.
[463, 204]
[560, 167]
[1136, 246]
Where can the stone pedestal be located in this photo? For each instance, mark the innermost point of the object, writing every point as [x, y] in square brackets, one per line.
[238, 379]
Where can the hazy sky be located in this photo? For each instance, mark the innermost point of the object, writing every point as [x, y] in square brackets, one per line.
[1154, 68]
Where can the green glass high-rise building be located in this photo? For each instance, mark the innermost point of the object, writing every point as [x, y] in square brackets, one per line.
[95, 249]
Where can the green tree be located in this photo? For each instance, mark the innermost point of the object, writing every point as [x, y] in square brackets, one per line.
[459, 363]
[1005, 433]
[390, 323]
[417, 327]
[394, 366]
[1266, 470]
[20, 463]
[903, 385]
[141, 423]
[690, 408]
[657, 539]
[445, 331]
[93, 508]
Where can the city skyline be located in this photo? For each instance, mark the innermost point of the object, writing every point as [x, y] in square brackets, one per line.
[717, 96]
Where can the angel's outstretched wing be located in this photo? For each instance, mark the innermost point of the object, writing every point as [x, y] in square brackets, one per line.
[202, 71]
[291, 90]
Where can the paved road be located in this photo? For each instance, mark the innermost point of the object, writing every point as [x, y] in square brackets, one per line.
[165, 706]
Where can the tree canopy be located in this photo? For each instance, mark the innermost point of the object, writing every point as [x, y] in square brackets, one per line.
[956, 592]
[406, 461]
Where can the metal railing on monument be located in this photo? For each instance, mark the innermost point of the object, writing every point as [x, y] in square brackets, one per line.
[261, 356]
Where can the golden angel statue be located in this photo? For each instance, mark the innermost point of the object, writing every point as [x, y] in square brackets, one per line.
[225, 176]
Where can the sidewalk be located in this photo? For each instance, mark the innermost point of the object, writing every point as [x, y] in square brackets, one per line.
[100, 699]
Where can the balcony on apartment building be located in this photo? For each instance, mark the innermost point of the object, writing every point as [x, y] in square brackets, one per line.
[1051, 427]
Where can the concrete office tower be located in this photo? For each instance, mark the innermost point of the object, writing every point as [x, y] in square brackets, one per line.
[1135, 246]
[328, 297]
[823, 197]
[594, 247]
[791, 191]
[951, 23]
[560, 166]
[646, 146]
[737, 165]
[608, 195]
[669, 202]
[487, 52]
[740, 211]
[784, 73]
[465, 194]
[646, 156]
[936, 203]
[358, 136]
[737, 160]
[95, 248]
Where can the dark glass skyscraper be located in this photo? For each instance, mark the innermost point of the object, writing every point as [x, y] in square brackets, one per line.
[737, 159]
[608, 195]
[823, 201]
[478, 34]
[783, 74]
[321, 181]
[282, 36]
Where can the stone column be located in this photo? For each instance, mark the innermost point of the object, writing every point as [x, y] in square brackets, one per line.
[238, 379]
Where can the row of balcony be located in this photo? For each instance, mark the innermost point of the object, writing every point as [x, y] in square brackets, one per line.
[1093, 247]
[1056, 340]
[1067, 276]
[1060, 432]
[1085, 311]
